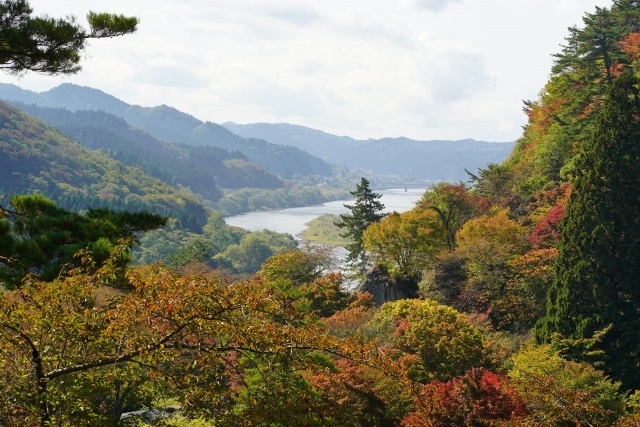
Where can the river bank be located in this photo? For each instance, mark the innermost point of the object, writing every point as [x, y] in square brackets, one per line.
[324, 231]
[294, 220]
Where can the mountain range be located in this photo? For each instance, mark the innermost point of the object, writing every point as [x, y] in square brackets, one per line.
[284, 149]
[85, 148]
[37, 158]
[426, 160]
[202, 169]
[170, 125]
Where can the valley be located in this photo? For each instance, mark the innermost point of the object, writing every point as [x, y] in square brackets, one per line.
[294, 220]
[158, 268]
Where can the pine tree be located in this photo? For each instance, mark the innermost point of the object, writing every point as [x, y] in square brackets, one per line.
[595, 49]
[38, 237]
[597, 273]
[47, 45]
[366, 210]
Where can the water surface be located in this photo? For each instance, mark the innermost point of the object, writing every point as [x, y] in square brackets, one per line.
[293, 220]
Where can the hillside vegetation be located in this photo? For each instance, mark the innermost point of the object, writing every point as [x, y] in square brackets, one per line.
[36, 158]
[201, 169]
[562, 118]
[168, 124]
[526, 308]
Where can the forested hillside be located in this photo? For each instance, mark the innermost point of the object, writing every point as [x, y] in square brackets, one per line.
[524, 305]
[201, 169]
[36, 158]
[562, 118]
[171, 125]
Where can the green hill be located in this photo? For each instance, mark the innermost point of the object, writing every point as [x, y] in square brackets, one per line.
[201, 169]
[169, 124]
[36, 158]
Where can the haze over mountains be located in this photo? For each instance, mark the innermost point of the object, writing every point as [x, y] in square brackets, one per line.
[432, 160]
[170, 125]
[284, 149]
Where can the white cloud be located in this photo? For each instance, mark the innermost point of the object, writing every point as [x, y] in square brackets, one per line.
[292, 12]
[363, 68]
[463, 76]
[434, 5]
[169, 76]
[163, 61]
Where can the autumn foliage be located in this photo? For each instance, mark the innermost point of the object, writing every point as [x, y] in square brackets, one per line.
[63, 339]
[540, 239]
[478, 398]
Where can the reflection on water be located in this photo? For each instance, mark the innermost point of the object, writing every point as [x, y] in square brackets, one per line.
[293, 220]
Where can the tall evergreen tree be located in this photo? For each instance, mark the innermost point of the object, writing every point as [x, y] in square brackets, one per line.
[366, 210]
[598, 266]
[593, 51]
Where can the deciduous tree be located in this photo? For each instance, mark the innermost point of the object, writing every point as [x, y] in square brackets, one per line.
[478, 398]
[487, 243]
[445, 342]
[454, 205]
[298, 266]
[405, 243]
[562, 392]
[68, 347]
[255, 248]
[303, 278]
[356, 395]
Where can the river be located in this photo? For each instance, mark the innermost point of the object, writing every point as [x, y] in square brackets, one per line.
[293, 220]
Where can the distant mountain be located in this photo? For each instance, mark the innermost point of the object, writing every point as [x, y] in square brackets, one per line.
[432, 160]
[284, 149]
[171, 125]
[201, 169]
[37, 158]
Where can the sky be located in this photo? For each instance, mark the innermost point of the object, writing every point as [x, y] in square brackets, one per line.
[423, 69]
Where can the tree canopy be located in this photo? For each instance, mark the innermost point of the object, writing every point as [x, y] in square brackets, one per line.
[40, 238]
[48, 45]
[73, 352]
[292, 345]
[598, 262]
[454, 205]
[406, 243]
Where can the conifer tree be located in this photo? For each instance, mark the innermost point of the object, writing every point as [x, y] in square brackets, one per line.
[47, 45]
[597, 283]
[38, 237]
[593, 50]
[366, 210]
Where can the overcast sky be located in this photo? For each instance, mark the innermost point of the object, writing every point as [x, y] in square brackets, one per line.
[425, 69]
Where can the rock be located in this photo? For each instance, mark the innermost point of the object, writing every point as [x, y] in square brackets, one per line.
[384, 288]
[147, 416]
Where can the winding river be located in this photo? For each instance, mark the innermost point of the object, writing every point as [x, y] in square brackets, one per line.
[293, 220]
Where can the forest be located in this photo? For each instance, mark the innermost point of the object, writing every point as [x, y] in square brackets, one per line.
[526, 308]
[164, 123]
